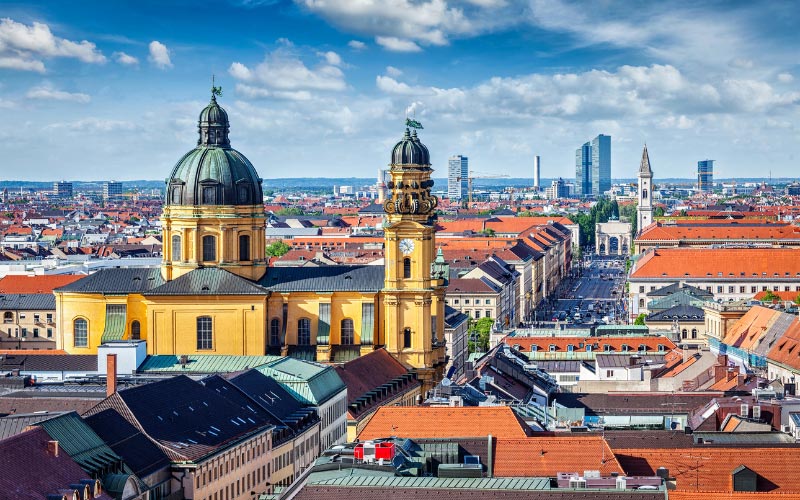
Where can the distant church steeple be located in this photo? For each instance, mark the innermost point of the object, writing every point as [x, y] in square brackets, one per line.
[644, 213]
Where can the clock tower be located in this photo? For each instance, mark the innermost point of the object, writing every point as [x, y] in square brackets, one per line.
[644, 211]
[415, 280]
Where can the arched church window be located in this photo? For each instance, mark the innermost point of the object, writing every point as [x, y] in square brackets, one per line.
[348, 332]
[209, 248]
[244, 247]
[406, 338]
[694, 333]
[176, 195]
[684, 334]
[304, 331]
[205, 333]
[8, 317]
[176, 247]
[406, 268]
[644, 194]
[80, 331]
[275, 332]
[136, 330]
[244, 193]
[641, 302]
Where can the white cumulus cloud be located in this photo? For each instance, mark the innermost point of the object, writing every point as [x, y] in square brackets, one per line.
[395, 44]
[283, 74]
[356, 45]
[24, 46]
[785, 78]
[159, 55]
[126, 59]
[48, 93]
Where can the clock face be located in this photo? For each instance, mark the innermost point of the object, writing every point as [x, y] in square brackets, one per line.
[406, 246]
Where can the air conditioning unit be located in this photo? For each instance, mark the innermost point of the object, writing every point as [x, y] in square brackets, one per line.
[577, 482]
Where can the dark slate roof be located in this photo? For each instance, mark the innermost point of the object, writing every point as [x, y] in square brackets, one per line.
[142, 455]
[208, 280]
[50, 362]
[187, 417]
[267, 393]
[678, 287]
[373, 208]
[648, 439]
[14, 424]
[324, 279]
[632, 404]
[29, 472]
[681, 312]
[232, 393]
[28, 302]
[453, 317]
[117, 281]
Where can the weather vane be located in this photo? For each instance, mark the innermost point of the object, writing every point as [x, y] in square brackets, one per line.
[215, 91]
[413, 123]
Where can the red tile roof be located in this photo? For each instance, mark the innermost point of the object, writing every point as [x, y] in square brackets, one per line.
[36, 284]
[730, 263]
[786, 349]
[720, 230]
[709, 468]
[547, 456]
[747, 331]
[444, 422]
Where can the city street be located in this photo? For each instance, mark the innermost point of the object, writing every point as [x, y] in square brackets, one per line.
[594, 296]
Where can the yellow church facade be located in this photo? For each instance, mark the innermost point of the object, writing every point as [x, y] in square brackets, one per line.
[214, 293]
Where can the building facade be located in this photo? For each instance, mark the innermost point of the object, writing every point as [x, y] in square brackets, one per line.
[537, 172]
[705, 175]
[215, 295]
[583, 170]
[457, 174]
[62, 189]
[112, 190]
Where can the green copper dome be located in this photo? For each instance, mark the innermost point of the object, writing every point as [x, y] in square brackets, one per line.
[213, 173]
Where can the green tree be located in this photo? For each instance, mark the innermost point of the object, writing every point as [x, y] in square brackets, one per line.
[640, 319]
[479, 332]
[277, 248]
[797, 299]
[769, 297]
[658, 212]
[290, 211]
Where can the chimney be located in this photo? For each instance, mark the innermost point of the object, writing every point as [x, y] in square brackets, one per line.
[111, 374]
[731, 374]
[720, 372]
[52, 448]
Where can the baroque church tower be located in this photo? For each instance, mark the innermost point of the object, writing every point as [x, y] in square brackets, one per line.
[213, 212]
[415, 277]
[645, 210]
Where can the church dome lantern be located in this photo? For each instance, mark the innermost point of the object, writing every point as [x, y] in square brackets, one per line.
[213, 173]
[410, 151]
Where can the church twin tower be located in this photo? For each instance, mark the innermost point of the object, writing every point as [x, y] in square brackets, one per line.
[214, 218]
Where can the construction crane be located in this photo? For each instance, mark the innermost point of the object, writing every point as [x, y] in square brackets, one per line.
[478, 175]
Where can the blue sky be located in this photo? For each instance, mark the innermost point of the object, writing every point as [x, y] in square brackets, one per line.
[320, 88]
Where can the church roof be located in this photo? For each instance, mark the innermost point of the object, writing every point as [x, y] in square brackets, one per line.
[208, 281]
[116, 281]
[644, 166]
[324, 279]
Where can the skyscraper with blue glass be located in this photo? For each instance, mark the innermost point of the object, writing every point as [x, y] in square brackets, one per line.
[593, 167]
[705, 175]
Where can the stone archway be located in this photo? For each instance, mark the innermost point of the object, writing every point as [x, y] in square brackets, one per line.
[613, 238]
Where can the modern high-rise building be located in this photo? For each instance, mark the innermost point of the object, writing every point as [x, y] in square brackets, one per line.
[62, 189]
[583, 170]
[705, 175]
[112, 190]
[457, 173]
[601, 164]
[537, 171]
[593, 167]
